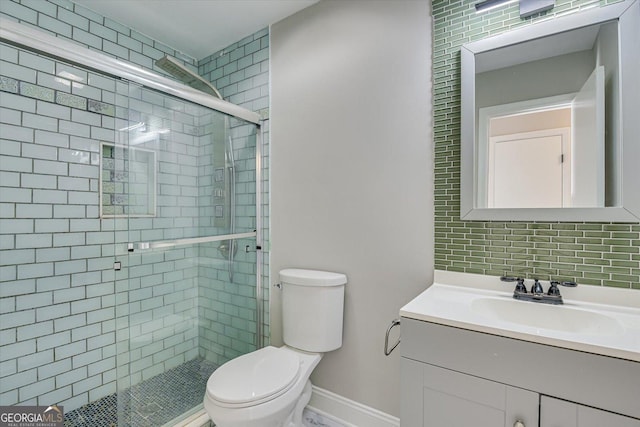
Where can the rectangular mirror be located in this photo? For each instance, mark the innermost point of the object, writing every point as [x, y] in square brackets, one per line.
[550, 128]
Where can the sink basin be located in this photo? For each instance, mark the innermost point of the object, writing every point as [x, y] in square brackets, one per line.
[587, 324]
[543, 316]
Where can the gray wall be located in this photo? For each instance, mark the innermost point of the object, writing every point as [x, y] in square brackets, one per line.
[352, 173]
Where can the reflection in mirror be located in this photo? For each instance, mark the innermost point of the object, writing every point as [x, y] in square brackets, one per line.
[547, 120]
[548, 114]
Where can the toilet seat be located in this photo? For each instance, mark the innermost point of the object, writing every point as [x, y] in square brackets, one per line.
[254, 378]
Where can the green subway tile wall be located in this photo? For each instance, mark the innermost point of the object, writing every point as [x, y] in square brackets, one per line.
[591, 253]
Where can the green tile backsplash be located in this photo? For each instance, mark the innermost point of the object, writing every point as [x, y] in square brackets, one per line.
[591, 253]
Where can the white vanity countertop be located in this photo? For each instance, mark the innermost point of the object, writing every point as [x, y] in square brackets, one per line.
[593, 319]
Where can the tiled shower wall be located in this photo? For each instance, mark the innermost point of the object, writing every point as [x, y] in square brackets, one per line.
[81, 276]
[70, 324]
[226, 302]
[591, 253]
[58, 318]
[241, 73]
[157, 291]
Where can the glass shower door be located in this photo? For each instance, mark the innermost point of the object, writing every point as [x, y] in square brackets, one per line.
[183, 178]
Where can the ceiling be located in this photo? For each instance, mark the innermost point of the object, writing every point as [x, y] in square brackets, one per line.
[196, 27]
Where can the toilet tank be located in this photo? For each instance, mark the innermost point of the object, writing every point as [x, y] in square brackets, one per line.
[312, 309]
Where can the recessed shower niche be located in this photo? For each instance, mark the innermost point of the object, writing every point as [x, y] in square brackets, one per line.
[127, 181]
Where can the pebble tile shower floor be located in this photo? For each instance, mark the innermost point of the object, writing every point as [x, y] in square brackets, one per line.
[151, 403]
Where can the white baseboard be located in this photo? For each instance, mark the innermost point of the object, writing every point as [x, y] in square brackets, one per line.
[198, 419]
[336, 411]
[347, 412]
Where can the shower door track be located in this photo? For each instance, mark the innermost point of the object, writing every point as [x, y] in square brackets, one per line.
[187, 241]
[36, 40]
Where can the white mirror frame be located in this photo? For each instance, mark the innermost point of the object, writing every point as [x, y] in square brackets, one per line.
[628, 15]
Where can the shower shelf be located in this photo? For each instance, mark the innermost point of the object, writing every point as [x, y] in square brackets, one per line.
[188, 241]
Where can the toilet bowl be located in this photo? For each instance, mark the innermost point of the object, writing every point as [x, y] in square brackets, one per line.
[266, 388]
[270, 387]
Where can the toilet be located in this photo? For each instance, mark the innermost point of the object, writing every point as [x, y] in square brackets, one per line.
[270, 387]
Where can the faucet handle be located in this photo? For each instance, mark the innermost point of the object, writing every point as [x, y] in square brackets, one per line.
[520, 287]
[553, 289]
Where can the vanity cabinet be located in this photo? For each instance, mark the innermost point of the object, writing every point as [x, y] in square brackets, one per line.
[455, 377]
[445, 398]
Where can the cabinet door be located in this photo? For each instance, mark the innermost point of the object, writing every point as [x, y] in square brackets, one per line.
[560, 413]
[437, 397]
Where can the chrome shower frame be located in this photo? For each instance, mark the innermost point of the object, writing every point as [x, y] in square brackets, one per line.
[20, 35]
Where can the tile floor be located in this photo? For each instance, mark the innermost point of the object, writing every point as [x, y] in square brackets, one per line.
[310, 418]
[151, 403]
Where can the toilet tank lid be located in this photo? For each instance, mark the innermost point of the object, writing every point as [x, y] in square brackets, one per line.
[303, 277]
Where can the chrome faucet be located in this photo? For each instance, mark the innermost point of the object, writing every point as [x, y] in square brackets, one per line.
[537, 294]
[537, 288]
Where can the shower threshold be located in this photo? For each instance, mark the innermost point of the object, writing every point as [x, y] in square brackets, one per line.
[152, 403]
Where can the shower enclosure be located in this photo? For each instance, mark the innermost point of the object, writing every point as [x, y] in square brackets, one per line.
[131, 236]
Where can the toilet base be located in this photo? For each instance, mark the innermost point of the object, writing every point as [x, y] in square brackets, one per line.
[295, 419]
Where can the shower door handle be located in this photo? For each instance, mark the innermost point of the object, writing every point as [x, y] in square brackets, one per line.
[131, 247]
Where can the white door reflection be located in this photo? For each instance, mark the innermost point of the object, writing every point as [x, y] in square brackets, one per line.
[544, 153]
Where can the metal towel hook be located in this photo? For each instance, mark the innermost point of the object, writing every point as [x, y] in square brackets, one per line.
[394, 322]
